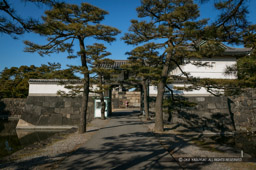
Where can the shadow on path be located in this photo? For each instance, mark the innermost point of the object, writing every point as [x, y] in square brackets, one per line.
[124, 143]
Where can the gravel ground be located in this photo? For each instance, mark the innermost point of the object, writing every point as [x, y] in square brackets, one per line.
[47, 154]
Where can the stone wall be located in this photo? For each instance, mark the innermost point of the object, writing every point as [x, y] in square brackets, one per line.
[119, 99]
[12, 107]
[49, 110]
[215, 114]
[199, 113]
[243, 107]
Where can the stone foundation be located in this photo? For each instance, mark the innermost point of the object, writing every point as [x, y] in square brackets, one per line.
[55, 111]
[243, 107]
[119, 99]
[215, 114]
[46, 110]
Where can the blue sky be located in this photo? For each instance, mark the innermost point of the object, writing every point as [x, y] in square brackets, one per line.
[120, 14]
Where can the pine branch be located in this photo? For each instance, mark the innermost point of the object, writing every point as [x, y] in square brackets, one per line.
[232, 14]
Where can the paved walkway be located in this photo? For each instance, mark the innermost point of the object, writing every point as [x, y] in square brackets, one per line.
[124, 143]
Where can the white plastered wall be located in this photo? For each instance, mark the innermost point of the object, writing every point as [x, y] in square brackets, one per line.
[216, 71]
[195, 92]
[50, 89]
[46, 89]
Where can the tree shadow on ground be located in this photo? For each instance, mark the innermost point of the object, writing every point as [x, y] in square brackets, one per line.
[142, 149]
[136, 149]
[201, 146]
[204, 132]
[188, 129]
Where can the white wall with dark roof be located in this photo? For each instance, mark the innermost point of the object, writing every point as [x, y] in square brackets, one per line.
[46, 89]
[215, 68]
[50, 87]
[195, 92]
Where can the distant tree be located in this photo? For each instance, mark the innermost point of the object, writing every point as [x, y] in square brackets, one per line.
[143, 66]
[13, 24]
[14, 80]
[66, 23]
[96, 54]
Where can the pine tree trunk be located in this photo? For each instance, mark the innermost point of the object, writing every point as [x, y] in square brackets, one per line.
[103, 104]
[159, 124]
[145, 96]
[159, 127]
[85, 98]
[141, 100]
[110, 101]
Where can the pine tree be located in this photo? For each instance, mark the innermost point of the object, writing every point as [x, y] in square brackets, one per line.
[231, 23]
[143, 66]
[174, 24]
[97, 54]
[13, 24]
[66, 23]
[232, 26]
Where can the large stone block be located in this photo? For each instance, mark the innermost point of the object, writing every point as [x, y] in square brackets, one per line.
[90, 104]
[77, 112]
[206, 114]
[55, 119]
[244, 103]
[74, 116]
[77, 121]
[199, 107]
[215, 110]
[68, 104]
[52, 99]
[30, 100]
[52, 104]
[43, 120]
[66, 121]
[75, 108]
[68, 110]
[63, 111]
[68, 116]
[46, 104]
[200, 99]
[28, 107]
[211, 106]
[254, 103]
[59, 104]
[37, 110]
[45, 111]
[221, 105]
[57, 110]
[224, 111]
[30, 118]
[77, 104]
